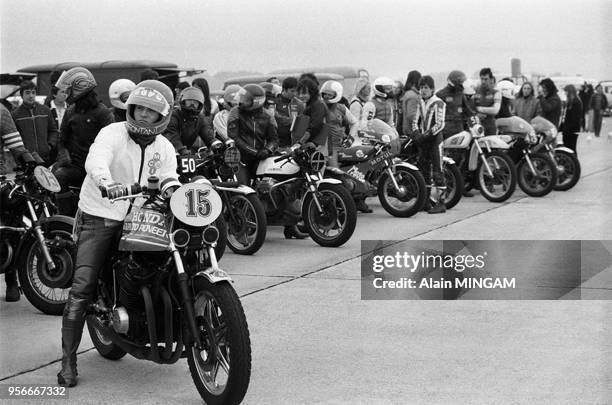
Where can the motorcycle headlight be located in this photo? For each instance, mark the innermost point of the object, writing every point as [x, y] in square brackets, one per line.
[531, 137]
[478, 131]
[317, 161]
[232, 156]
[385, 138]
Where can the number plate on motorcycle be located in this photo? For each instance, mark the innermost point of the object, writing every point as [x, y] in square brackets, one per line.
[187, 165]
[196, 204]
[46, 179]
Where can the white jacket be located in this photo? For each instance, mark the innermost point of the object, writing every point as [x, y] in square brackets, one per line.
[115, 157]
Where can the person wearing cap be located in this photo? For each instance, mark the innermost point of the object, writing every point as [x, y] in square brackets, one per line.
[188, 124]
[118, 93]
[253, 130]
[123, 153]
[84, 119]
[35, 123]
[288, 107]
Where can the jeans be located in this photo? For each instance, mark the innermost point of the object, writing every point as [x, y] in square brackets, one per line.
[430, 161]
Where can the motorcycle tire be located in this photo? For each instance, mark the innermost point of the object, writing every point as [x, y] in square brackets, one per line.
[454, 185]
[416, 192]
[222, 241]
[47, 289]
[504, 175]
[543, 182]
[225, 334]
[104, 346]
[247, 232]
[339, 215]
[569, 174]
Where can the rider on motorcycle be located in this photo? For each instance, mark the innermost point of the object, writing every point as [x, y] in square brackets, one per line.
[427, 129]
[123, 153]
[380, 106]
[253, 130]
[187, 124]
[10, 138]
[229, 102]
[118, 93]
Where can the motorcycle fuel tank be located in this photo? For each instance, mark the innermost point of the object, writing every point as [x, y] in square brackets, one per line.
[356, 154]
[458, 141]
[268, 167]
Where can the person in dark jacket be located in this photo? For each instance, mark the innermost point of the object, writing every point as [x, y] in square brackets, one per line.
[572, 119]
[188, 124]
[525, 104]
[457, 106]
[410, 101]
[81, 124]
[288, 107]
[585, 94]
[308, 93]
[35, 123]
[210, 106]
[549, 102]
[253, 130]
[599, 103]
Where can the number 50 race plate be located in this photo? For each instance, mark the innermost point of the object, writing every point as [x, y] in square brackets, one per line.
[196, 204]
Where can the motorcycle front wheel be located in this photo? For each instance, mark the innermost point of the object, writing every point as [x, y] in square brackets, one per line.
[246, 227]
[568, 170]
[335, 224]
[541, 182]
[221, 371]
[48, 289]
[502, 184]
[410, 199]
[454, 185]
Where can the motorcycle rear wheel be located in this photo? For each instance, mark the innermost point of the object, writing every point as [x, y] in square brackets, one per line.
[35, 276]
[408, 204]
[104, 346]
[569, 174]
[336, 224]
[543, 181]
[222, 370]
[247, 233]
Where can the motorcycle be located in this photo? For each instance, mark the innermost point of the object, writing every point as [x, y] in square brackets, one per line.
[37, 243]
[483, 161]
[454, 179]
[372, 169]
[537, 174]
[162, 295]
[292, 189]
[242, 211]
[567, 163]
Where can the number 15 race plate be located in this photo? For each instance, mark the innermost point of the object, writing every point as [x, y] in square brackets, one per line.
[196, 204]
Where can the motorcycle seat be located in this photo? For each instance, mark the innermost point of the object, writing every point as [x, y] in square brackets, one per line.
[356, 154]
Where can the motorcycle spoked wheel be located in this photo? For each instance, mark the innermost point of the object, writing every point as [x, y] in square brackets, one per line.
[568, 172]
[247, 232]
[501, 186]
[222, 371]
[540, 183]
[454, 185]
[336, 223]
[415, 192]
[104, 346]
[47, 289]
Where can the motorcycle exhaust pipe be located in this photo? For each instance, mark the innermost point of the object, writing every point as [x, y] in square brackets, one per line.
[167, 354]
[151, 324]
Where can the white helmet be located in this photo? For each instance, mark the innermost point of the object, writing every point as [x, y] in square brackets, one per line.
[469, 87]
[507, 88]
[331, 91]
[119, 91]
[383, 87]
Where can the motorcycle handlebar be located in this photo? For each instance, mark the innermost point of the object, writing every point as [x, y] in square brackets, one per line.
[284, 157]
[126, 190]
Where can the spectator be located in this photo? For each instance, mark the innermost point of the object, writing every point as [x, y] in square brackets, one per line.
[410, 101]
[573, 117]
[488, 101]
[525, 103]
[599, 103]
[52, 79]
[58, 105]
[210, 106]
[288, 107]
[585, 94]
[396, 99]
[118, 93]
[308, 93]
[549, 102]
[274, 80]
[149, 74]
[35, 123]
[81, 124]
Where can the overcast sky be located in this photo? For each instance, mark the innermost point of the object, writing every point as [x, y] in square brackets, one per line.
[387, 37]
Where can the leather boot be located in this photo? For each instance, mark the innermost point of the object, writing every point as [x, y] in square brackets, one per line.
[362, 206]
[72, 330]
[291, 231]
[12, 289]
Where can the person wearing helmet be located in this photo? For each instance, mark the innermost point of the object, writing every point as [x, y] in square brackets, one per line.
[118, 93]
[380, 106]
[123, 153]
[253, 130]
[505, 87]
[458, 108]
[220, 120]
[487, 101]
[82, 122]
[427, 129]
[188, 123]
[361, 96]
[288, 107]
[410, 101]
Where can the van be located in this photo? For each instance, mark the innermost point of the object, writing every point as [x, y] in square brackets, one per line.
[107, 72]
[256, 79]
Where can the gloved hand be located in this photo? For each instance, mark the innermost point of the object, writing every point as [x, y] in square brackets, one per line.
[112, 190]
[37, 159]
[295, 146]
[230, 143]
[263, 154]
[418, 138]
[217, 146]
[310, 146]
[183, 151]
[63, 158]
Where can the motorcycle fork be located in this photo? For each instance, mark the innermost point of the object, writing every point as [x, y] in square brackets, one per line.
[312, 188]
[389, 170]
[186, 297]
[484, 159]
[40, 236]
[529, 162]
